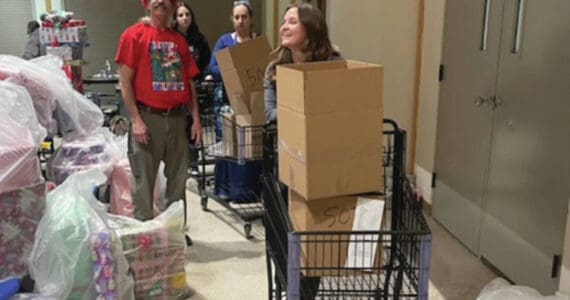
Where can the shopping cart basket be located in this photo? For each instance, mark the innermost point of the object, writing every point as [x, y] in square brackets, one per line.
[309, 265]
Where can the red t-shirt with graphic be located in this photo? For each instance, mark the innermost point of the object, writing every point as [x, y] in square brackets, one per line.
[161, 62]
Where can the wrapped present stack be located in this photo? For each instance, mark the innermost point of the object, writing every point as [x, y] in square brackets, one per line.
[65, 37]
[20, 212]
[81, 153]
[155, 251]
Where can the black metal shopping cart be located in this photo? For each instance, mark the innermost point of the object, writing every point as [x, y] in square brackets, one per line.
[313, 265]
[230, 165]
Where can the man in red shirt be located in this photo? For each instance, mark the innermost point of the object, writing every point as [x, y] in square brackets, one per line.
[156, 70]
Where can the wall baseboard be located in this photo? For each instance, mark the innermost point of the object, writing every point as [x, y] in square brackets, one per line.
[423, 183]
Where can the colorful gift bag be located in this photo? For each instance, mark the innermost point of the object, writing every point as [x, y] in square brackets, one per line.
[20, 212]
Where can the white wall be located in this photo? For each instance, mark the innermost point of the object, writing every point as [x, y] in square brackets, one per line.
[383, 32]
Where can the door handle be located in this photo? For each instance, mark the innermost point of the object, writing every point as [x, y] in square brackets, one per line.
[482, 101]
[496, 102]
[518, 29]
[485, 30]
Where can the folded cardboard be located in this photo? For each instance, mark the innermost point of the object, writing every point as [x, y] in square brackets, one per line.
[335, 255]
[330, 128]
[243, 68]
[256, 107]
[229, 135]
[249, 140]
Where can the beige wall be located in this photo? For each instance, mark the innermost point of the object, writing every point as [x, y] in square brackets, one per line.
[384, 32]
[429, 96]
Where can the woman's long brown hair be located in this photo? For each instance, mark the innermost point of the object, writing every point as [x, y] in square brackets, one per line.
[317, 43]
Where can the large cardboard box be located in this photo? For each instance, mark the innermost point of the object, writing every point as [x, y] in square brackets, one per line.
[330, 128]
[243, 68]
[335, 255]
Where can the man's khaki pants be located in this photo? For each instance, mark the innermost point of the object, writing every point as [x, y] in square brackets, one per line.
[169, 143]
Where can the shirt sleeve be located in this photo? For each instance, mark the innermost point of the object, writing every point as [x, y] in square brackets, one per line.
[213, 67]
[127, 53]
[270, 97]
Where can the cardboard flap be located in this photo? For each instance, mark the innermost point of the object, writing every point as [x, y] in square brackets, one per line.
[243, 70]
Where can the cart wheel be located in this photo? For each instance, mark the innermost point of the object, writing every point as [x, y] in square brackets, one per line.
[188, 241]
[247, 230]
[204, 203]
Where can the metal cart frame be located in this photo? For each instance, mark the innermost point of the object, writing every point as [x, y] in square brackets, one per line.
[405, 243]
[247, 212]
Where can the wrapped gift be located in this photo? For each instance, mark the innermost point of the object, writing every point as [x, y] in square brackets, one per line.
[147, 254]
[79, 155]
[20, 212]
[155, 250]
[19, 163]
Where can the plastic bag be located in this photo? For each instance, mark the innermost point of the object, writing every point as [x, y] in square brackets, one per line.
[500, 289]
[121, 200]
[76, 255]
[74, 113]
[156, 251]
[78, 153]
[17, 103]
[21, 211]
[19, 163]
[43, 87]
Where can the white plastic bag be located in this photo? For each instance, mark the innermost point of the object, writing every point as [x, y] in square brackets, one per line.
[76, 255]
[19, 163]
[500, 289]
[156, 251]
[17, 103]
[43, 87]
[75, 112]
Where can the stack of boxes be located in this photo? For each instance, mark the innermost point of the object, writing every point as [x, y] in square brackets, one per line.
[330, 156]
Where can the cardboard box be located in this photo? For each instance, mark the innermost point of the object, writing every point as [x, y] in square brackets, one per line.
[229, 140]
[249, 141]
[330, 128]
[256, 107]
[338, 214]
[243, 68]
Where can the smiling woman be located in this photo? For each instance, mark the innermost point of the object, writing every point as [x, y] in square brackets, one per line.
[304, 38]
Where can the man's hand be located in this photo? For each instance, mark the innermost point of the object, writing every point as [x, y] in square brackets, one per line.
[140, 132]
[196, 132]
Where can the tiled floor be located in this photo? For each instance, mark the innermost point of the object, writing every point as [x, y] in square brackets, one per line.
[222, 264]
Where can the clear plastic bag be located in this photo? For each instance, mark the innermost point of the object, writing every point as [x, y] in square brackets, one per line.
[17, 103]
[500, 289]
[19, 164]
[156, 251]
[75, 113]
[76, 255]
[43, 87]
[51, 91]
[121, 200]
[78, 153]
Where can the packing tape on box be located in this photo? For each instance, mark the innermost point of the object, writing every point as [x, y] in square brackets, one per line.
[295, 153]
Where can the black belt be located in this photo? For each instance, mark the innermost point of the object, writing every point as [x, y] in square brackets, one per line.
[160, 111]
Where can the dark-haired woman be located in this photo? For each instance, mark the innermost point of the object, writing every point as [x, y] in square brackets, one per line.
[185, 24]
